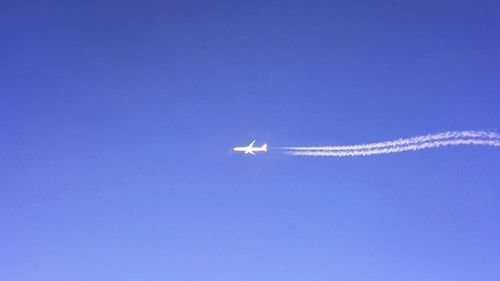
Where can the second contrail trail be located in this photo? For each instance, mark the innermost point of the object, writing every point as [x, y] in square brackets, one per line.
[400, 145]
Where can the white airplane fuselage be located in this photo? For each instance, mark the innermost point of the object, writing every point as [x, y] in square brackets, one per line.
[250, 149]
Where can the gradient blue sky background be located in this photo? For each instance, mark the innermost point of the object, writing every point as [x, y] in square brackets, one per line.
[117, 120]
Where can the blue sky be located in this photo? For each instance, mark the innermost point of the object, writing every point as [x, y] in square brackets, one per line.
[118, 117]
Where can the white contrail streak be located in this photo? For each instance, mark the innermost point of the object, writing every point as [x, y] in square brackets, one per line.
[408, 141]
[394, 149]
[401, 145]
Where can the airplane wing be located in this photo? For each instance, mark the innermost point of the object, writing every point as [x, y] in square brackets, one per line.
[251, 152]
[251, 145]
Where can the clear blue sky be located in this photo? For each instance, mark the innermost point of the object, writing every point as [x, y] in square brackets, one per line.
[117, 120]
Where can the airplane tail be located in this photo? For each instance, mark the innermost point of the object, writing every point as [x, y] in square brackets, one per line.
[264, 147]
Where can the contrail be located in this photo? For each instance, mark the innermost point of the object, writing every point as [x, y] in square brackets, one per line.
[400, 145]
[399, 142]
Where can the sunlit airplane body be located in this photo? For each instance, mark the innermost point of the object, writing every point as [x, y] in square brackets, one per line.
[251, 149]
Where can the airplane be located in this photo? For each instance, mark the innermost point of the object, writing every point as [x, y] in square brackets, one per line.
[251, 149]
